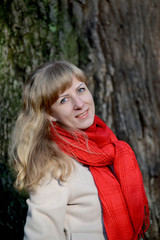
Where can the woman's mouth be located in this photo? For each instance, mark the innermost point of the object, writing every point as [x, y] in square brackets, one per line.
[83, 115]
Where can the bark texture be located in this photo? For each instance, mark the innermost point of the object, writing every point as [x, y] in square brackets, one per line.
[117, 43]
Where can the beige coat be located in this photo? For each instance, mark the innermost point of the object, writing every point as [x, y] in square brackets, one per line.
[66, 211]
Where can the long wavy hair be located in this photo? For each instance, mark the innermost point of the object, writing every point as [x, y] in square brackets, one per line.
[32, 151]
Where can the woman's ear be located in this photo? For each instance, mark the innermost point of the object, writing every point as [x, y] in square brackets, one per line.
[51, 118]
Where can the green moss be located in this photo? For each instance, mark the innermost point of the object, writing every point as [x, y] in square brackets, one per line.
[66, 37]
[52, 28]
[83, 51]
[69, 46]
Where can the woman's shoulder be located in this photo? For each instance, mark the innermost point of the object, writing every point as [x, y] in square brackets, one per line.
[48, 189]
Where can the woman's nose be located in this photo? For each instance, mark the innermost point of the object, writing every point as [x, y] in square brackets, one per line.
[77, 103]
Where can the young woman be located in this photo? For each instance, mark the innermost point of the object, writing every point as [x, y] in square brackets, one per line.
[83, 183]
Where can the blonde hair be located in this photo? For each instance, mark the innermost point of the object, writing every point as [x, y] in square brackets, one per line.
[33, 153]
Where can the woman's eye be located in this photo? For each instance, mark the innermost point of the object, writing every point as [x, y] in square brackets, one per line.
[63, 100]
[81, 89]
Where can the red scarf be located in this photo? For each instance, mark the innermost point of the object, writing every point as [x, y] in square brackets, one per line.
[122, 194]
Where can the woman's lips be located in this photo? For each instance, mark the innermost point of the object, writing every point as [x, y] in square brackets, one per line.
[83, 115]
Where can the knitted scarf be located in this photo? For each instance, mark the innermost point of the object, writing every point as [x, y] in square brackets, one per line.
[122, 194]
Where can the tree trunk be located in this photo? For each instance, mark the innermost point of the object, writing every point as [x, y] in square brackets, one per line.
[117, 43]
[123, 42]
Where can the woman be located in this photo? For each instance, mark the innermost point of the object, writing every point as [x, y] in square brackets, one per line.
[83, 183]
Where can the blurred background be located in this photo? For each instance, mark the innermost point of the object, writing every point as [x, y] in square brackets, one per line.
[117, 43]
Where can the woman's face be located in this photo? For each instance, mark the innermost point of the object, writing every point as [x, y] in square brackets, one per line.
[75, 106]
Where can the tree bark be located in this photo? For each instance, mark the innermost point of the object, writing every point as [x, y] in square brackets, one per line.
[117, 43]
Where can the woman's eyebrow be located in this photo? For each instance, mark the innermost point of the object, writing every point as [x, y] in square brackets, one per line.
[66, 95]
[80, 85]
